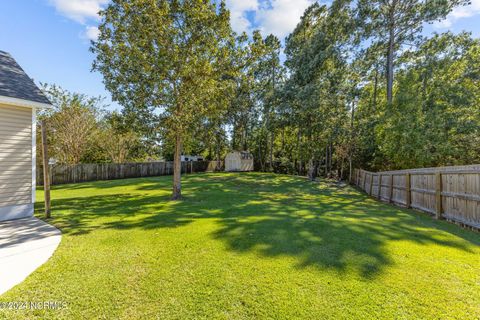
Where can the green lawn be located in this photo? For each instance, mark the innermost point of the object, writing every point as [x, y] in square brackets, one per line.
[249, 246]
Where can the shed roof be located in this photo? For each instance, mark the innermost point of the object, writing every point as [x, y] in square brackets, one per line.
[243, 155]
[15, 83]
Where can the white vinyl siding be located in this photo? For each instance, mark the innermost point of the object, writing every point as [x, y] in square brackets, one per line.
[15, 155]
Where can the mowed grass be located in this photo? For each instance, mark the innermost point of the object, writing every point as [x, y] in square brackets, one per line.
[245, 246]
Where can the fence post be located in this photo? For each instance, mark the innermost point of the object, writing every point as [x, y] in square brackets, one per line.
[380, 187]
[391, 189]
[46, 174]
[364, 180]
[438, 195]
[408, 195]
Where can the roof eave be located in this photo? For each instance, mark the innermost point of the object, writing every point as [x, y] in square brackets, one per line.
[23, 103]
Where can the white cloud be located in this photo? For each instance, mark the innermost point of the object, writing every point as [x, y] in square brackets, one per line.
[459, 13]
[91, 33]
[281, 16]
[83, 12]
[278, 17]
[79, 10]
[238, 13]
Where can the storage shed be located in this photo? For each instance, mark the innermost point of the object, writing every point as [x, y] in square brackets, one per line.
[239, 161]
[19, 99]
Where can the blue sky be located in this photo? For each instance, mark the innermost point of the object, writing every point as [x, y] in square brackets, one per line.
[50, 38]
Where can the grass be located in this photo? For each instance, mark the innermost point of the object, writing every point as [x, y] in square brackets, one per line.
[249, 246]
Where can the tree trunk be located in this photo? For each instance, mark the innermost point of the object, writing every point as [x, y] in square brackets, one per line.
[177, 169]
[375, 89]
[424, 92]
[271, 151]
[330, 158]
[352, 136]
[341, 169]
[350, 169]
[390, 56]
[269, 128]
[261, 160]
[217, 155]
[243, 142]
[299, 152]
[234, 132]
[326, 161]
[311, 174]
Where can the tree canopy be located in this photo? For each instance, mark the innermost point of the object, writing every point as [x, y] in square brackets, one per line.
[356, 84]
[171, 58]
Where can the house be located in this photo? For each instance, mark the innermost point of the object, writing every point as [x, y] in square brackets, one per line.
[19, 100]
[191, 158]
[239, 161]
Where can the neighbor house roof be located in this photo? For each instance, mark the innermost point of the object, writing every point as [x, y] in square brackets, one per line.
[16, 84]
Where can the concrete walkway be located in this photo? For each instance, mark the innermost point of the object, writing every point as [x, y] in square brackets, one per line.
[25, 245]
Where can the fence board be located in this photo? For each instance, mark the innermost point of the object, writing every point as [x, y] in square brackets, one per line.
[63, 174]
[385, 187]
[449, 192]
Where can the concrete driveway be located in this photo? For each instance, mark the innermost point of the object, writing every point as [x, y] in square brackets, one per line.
[25, 245]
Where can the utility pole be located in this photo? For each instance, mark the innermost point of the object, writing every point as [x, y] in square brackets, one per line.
[46, 175]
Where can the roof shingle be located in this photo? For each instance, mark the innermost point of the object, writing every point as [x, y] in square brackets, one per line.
[15, 83]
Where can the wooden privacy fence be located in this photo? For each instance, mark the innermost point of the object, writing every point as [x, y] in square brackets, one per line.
[452, 193]
[62, 174]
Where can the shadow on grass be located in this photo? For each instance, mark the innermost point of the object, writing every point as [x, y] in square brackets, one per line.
[320, 226]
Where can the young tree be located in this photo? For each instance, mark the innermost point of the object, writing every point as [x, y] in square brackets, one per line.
[72, 122]
[166, 57]
[117, 145]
